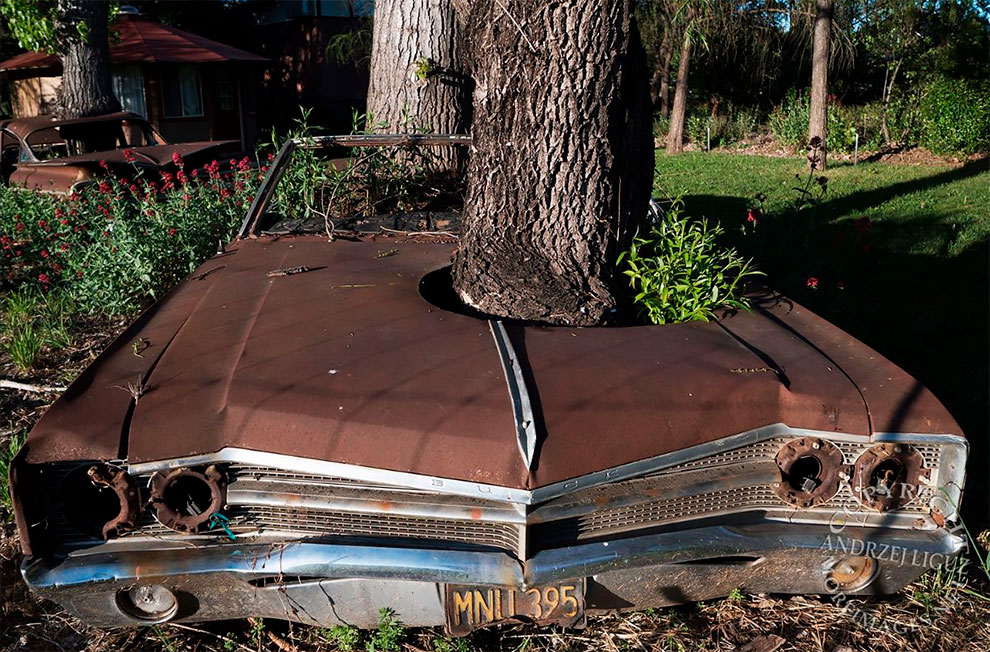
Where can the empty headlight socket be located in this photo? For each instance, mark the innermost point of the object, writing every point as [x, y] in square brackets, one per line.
[888, 476]
[811, 471]
[185, 499]
[100, 499]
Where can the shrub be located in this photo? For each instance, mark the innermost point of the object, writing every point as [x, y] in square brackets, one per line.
[789, 123]
[120, 244]
[955, 117]
[679, 271]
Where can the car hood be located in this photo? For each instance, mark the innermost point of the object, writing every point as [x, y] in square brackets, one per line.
[341, 359]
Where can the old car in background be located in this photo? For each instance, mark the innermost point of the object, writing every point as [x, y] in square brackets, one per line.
[313, 429]
[54, 155]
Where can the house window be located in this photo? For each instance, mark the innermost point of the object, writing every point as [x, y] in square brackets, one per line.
[128, 86]
[181, 96]
[226, 91]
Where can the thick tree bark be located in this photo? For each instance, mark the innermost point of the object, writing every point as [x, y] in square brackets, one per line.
[818, 119]
[675, 135]
[87, 88]
[561, 167]
[418, 79]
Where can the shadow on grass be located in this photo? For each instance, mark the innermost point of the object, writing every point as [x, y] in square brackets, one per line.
[927, 312]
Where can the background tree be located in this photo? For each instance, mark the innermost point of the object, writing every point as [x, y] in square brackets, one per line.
[818, 114]
[675, 133]
[560, 173]
[418, 80]
[75, 30]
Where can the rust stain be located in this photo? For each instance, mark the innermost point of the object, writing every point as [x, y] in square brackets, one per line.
[476, 514]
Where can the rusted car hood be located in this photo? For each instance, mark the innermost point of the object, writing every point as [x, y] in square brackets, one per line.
[153, 155]
[347, 362]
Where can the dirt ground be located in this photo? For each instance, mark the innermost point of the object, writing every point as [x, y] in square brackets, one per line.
[947, 610]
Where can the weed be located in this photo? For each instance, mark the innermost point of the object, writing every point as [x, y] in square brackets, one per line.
[679, 271]
[229, 644]
[346, 638]
[452, 645]
[23, 344]
[388, 637]
[257, 632]
[7, 452]
[736, 595]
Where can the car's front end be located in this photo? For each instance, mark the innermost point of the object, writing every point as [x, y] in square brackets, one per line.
[311, 430]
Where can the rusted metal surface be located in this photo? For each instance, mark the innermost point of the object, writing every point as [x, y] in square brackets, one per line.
[246, 360]
[186, 499]
[810, 471]
[888, 476]
[127, 493]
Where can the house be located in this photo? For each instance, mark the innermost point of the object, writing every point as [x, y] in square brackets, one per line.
[188, 87]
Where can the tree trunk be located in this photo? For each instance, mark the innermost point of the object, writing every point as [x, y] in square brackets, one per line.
[418, 80]
[561, 167]
[675, 135]
[87, 88]
[668, 58]
[818, 120]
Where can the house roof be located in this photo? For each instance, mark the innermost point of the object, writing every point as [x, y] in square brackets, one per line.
[142, 40]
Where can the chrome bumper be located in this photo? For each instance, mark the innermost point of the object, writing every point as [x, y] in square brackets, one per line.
[322, 583]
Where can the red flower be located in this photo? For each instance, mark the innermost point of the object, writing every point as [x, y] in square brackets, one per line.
[65, 222]
[173, 231]
[43, 277]
[812, 282]
[129, 156]
[244, 164]
[177, 159]
[103, 164]
[64, 247]
[104, 187]
[79, 274]
[20, 227]
[44, 253]
[271, 157]
[42, 223]
[751, 217]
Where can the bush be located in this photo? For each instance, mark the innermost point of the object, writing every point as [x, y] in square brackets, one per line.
[789, 123]
[955, 117]
[679, 271]
[119, 245]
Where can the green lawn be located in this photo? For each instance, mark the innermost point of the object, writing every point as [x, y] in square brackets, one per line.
[912, 281]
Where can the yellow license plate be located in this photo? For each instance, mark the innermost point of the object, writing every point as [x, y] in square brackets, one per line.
[471, 607]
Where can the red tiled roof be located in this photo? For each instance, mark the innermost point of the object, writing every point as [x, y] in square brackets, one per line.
[144, 40]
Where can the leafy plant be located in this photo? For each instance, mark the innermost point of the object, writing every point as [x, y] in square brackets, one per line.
[7, 452]
[680, 272]
[451, 645]
[346, 638]
[388, 637]
[955, 117]
[23, 344]
[257, 631]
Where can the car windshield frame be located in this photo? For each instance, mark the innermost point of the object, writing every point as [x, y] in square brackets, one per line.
[280, 164]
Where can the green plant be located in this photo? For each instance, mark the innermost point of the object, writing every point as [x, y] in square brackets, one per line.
[452, 645]
[736, 595]
[257, 632]
[955, 117]
[346, 638]
[23, 344]
[680, 272]
[388, 637]
[7, 452]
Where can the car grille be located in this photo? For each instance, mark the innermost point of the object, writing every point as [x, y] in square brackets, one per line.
[642, 506]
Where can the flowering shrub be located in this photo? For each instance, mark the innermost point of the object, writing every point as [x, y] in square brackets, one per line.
[120, 244]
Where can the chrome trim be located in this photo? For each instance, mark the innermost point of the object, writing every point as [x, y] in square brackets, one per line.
[522, 409]
[402, 479]
[448, 566]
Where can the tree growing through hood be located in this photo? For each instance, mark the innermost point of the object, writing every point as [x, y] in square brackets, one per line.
[561, 166]
[76, 31]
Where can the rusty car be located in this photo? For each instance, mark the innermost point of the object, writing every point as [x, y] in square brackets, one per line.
[313, 430]
[48, 154]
